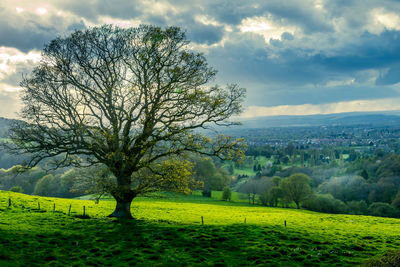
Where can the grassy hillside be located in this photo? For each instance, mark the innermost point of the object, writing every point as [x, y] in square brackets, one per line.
[169, 232]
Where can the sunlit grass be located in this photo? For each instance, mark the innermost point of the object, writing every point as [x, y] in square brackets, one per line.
[168, 230]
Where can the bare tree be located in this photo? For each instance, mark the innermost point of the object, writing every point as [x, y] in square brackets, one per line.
[129, 99]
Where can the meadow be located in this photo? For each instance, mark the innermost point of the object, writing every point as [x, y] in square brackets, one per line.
[38, 231]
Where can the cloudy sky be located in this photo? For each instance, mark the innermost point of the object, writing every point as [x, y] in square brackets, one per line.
[293, 56]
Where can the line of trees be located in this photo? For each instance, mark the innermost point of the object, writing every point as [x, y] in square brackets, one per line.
[73, 182]
[270, 191]
[304, 155]
[369, 186]
[36, 181]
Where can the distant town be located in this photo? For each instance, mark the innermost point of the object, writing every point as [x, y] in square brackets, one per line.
[362, 138]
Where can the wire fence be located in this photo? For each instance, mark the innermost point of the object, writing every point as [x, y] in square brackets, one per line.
[70, 208]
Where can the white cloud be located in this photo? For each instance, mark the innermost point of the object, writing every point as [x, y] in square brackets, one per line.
[339, 107]
[11, 58]
[207, 20]
[159, 7]
[41, 11]
[319, 4]
[10, 102]
[13, 55]
[13, 63]
[334, 83]
[118, 22]
[382, 19]
[265, 27]
[10, 88]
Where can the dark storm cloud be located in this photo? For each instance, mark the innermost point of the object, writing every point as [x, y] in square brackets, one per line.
[372, 51]
[196, 31]
[322, 44]
[156, 20]
[291, 68]
[287, 36]
[318, 95]
[23, 33]
[232, 12]
[205, 34]
[294, 67]
[293, 76]
[76, 26]
[92, 9]
[301, 13]
[27, 31]
[392, 76]
[122, 9]
[31, 37]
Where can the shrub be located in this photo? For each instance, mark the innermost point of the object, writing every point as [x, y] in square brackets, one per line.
[358, 207]
[391, 258]
[263, 198]
[17, 189]
[47, 186]
[325, 203]
[346, 188]
[382, 209]
[227, 194]
[271, 196]
[396, 201]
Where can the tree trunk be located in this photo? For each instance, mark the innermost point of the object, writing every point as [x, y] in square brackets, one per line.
[122, 210]
[298, 205]
[123, 196]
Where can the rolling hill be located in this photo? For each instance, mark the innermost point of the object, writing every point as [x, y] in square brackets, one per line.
[37, 231]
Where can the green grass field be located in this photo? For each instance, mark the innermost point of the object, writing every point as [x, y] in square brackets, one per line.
[168, 231]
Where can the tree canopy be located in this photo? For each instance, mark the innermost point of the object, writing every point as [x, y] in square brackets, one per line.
[212, 177]
[129, 99]
[297, 187]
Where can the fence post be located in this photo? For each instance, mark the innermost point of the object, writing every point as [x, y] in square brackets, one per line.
[9, 202]
[84, 211]
[285, 223]
[202, 221]
[69, 210]
[54, 207]
[38, 204]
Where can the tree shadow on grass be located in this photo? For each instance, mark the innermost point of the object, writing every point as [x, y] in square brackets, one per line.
[110, 242]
